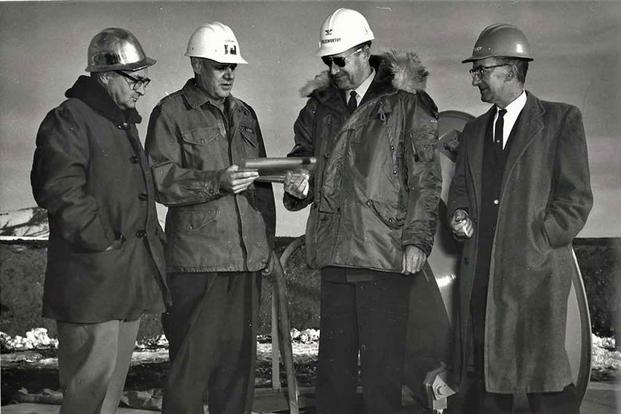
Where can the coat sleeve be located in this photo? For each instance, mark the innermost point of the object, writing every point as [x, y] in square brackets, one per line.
[458, 192]
[571, 199]
[59, 182]
[265, 193]
[174, 184]
[303, 147]
[424, 178]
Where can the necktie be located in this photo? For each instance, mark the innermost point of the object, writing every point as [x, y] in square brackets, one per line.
[498, 129]
[352, 104]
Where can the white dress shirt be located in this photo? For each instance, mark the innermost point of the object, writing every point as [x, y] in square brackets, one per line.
[363, 88]
[513, 111]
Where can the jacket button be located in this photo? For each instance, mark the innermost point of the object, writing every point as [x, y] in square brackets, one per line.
[142, 196]
[394, 172]
[133, 159]
[496, 202]
[392, 147]
[369, 202]
[141, 233]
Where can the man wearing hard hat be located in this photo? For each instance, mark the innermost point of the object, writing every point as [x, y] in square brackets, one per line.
[374, 200]
[105, 260]
[220, 228]
[520, 194]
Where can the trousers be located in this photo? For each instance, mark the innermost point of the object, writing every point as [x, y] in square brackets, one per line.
[211, 330]
[93, 360]
[363, 320]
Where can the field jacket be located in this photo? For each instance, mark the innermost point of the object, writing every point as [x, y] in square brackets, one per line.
[377, 183]
[191, 142]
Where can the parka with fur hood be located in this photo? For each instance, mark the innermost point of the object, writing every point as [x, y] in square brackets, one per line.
[377, 183]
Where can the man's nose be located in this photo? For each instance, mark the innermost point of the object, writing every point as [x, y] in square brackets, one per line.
[141, 89]
[334, 68]
[229, 73]
[476, 80]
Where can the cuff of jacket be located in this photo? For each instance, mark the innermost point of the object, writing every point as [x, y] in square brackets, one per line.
[292, 203]
[424, 247]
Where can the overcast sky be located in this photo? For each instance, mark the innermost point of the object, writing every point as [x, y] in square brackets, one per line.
[575, 46]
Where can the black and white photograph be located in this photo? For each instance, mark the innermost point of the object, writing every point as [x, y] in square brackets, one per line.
[310, 207]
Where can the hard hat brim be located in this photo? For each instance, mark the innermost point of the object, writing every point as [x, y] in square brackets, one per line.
[145, 63]
[475, 58]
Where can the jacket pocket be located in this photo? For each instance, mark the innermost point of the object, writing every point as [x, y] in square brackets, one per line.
[391, 216]
[195, 220]
[249, 135]
[200, 136]
[250, 141]
[203, 148]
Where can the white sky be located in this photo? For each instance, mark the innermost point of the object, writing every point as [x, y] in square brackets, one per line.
[575, 45]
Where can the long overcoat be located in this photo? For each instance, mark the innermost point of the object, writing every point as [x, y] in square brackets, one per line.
[545, 200]
[91, 174]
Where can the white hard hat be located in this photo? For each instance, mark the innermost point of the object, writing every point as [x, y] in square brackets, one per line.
[215, 41]
[343, 29]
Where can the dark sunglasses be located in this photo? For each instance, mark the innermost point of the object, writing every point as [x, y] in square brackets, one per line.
[339, 61]
[134, 83]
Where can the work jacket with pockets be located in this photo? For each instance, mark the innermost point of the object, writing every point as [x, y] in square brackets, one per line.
[545, 199]
[376, 185]
[91, 174]
[191, 142]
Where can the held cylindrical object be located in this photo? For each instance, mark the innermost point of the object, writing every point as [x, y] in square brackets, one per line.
[279, 164]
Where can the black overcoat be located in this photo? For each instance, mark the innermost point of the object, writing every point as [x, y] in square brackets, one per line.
[91, 174]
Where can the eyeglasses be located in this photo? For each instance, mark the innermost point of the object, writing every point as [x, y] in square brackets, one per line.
[479, 71]
[133, 82]
[339, 61]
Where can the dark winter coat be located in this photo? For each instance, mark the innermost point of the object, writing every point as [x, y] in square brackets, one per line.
[545, 200]
[92, 176]
[376, 186]
[209, 230]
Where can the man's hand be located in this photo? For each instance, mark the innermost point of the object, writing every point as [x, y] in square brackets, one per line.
[297, 183]
[461, 224]
[234, 180]
[413, 260]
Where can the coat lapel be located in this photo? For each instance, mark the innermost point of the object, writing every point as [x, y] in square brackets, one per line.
[529, 127]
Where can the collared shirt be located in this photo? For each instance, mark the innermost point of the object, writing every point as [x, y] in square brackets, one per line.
[513, 111]
[363, 88]
[197, 98]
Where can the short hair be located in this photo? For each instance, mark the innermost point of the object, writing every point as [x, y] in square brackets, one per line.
[97, 75]
[521, 68]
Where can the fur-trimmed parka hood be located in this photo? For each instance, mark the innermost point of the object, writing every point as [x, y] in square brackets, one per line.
[403, 69]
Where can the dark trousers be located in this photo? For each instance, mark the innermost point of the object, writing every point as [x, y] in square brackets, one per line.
[367, 317]
[211, 330]
[478, 401]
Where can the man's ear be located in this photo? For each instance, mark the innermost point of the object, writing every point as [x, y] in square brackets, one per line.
[196, 65]
[104, 78]
[511, 73]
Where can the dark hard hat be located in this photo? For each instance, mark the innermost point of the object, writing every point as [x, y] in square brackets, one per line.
[500, 40]
[116, 49]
